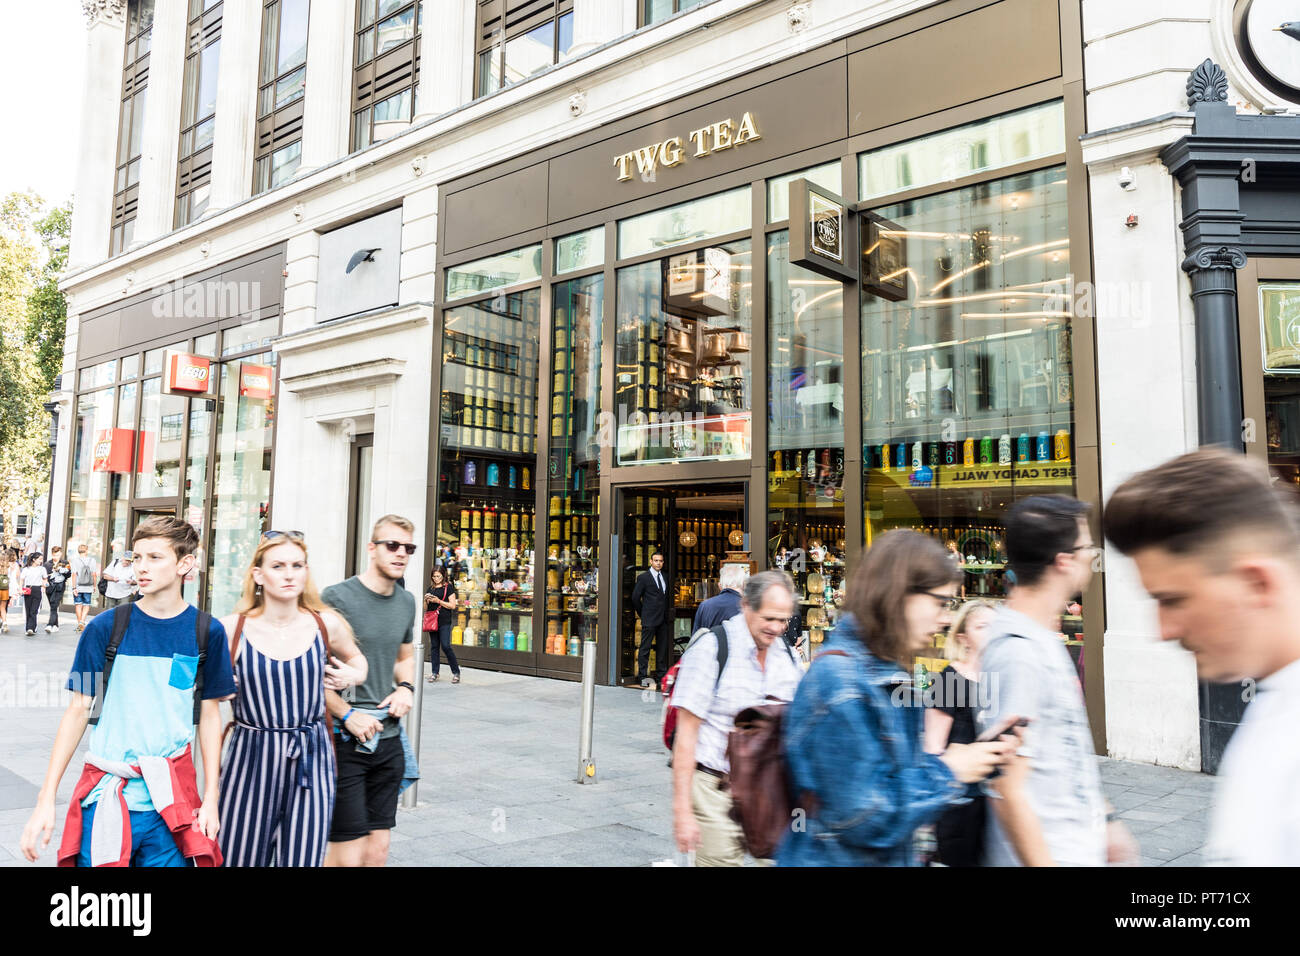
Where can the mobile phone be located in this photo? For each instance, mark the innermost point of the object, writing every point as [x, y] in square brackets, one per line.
[1006, 728]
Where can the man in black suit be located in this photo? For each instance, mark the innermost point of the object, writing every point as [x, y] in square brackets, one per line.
[651, 601]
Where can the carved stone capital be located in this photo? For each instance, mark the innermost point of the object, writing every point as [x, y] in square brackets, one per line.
[1207, 84]
[109, 10]
[1211, 257]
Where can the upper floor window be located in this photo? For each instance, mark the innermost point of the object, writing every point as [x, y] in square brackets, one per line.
[386, 75]
[198, 110]
[652, 11]
[517, 38]
[280, 99]
[135, 84]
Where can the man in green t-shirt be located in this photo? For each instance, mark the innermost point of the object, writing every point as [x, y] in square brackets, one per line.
[382, 616]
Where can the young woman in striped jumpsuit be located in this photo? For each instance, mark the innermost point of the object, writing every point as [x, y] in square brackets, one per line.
[278, 777]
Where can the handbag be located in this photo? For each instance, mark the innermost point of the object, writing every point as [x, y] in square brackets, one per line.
[430, 622]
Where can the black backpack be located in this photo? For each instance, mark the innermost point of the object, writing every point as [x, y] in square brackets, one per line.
[122, 617]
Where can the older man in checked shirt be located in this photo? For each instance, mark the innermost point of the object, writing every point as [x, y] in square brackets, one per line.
[758, 664]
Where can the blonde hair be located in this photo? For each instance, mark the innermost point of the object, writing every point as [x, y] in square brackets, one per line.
[397, 521]
[952, 649]
[251, 601]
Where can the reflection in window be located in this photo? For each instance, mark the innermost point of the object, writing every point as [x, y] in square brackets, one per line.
[682, 387]
[387, 57]
[1279, 310]
[199, 105]
[253, 335]
[494, 272]
[652, 11]
[158, 442]
[283, 84]
[512, 47]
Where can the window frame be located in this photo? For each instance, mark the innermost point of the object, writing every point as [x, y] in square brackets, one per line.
[381, 76]
[279, 128]
[498, 22]
[679, 6]
[194, 166]
[135, 88]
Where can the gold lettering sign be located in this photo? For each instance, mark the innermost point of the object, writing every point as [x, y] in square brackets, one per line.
[712, 138]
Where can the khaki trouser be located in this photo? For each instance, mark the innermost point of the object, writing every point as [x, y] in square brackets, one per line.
[720, 841]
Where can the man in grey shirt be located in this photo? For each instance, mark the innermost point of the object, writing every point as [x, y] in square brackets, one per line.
[1048, 806]
[382, 617]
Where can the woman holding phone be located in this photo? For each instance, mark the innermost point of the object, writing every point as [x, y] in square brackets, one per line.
[440, 612]
[853, 734]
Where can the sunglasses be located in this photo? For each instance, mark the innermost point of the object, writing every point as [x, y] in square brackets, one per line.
[395, 546]
[270, 535]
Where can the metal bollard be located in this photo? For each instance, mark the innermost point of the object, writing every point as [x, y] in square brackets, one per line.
[409, 796]
[587, 766]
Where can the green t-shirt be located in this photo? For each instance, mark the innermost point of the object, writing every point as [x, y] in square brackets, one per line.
[382, 624]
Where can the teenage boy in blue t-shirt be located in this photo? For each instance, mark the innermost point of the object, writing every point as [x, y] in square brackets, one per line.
[137, 803]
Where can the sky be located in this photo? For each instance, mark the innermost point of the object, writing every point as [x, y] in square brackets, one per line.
[42, 49]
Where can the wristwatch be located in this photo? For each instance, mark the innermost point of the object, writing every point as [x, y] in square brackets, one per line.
[407, 685]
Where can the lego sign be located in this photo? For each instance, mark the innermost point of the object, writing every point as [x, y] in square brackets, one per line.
[255, 381]
[187, 374]
[113, 448]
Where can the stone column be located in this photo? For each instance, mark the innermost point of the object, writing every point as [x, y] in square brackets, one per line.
[101, 105]
[327, 112]
[1218, 353]
[447, 52]
[155, 213]
[236, 121]
[595, 23]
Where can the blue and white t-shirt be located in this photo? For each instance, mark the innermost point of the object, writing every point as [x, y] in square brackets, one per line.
[149, 709]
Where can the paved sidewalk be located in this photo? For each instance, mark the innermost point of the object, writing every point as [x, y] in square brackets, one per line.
[499, 756]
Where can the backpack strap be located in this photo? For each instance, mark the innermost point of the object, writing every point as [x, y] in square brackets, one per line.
[121, 617]
[234, 639]
[202, 625]
[720, 633]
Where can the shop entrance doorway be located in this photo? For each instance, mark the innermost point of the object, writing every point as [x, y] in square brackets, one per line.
[698, 528]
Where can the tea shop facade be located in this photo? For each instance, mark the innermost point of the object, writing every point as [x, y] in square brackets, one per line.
[694, 329]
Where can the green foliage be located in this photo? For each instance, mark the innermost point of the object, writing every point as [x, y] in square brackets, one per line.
[47, 310]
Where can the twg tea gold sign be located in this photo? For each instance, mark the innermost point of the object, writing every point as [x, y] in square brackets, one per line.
[706, 140]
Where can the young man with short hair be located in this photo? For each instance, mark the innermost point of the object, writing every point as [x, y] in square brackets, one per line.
[85, 576]
[370, 774]
[137, 801]
[1217, 544]
[1051, 811]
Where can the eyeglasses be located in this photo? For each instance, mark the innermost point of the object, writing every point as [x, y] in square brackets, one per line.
[946, 601]
[1085, 547]
[270, 535]
[395, 546]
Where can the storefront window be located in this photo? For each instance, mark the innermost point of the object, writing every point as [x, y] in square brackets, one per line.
[488, 437]
[828, 176]
[88, 500]
[968, 400]
[154, 358]
[1279, 309]
[245, 426]
[206, 345]
[104, 373]
[690, 222]
[158, 446]
[806, 433]
[196, 485]
[582, 250]
[253, 335]
[682, 389]
[494, 272]
[130, 367]
[993, 143]
[573, 466]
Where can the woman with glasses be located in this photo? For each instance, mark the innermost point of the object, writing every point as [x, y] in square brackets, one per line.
[277, 781]
[950, 719]
[440, 601]
[861, 778]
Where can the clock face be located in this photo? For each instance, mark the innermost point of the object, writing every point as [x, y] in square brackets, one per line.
[1275, 54]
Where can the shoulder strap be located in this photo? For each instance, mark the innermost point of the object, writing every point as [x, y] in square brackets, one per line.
[720, 633]
[121, 617]
[202, 625]
[324, 633]
[234, 639]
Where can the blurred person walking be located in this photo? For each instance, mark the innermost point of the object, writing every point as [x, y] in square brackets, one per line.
[1217, 545]
[1049, 808]
[85, 576]
[439, 616]
[951, 703]
[10, 583]
[57, 570]
[277, 780]
[34, 582]
[740, 663]
[853, 736]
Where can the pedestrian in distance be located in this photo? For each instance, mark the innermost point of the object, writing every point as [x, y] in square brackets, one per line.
[120, 576]
[739, 664]
[278, 776]
[652, 604]
[440, 611]
[726, 603]
[1050, 808]
[1216, 542]
[373, 753]
[952, 702]
[57, 570]
[85, 577]
[10, 583]
[35, 581]
[137, 802]
[858, 770]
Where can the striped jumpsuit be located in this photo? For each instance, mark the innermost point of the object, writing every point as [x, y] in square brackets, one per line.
[278, 779]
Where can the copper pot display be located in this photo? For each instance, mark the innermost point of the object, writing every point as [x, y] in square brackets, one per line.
[738, 342]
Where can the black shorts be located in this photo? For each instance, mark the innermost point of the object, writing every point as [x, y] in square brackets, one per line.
[366, 797]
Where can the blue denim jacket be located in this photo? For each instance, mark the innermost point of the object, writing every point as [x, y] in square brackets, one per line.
[853, 739]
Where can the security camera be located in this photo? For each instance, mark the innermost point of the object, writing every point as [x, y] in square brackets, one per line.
[1127, 181]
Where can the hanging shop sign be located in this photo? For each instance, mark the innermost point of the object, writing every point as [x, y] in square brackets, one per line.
[884, 259]
[823, 232]
[186, 374]
[645, 161]
[255, 381]
[113, 449]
